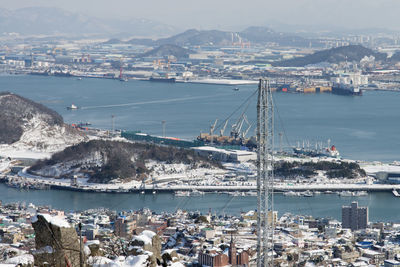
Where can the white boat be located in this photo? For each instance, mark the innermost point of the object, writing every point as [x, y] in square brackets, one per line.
[395, 193]
[197, 192]
[290, 193]
[72, 107]
[345, 194]
[182, 193]
[307, 193]
[360, 193]
[328, 192]
[252, 193]
[235, 193]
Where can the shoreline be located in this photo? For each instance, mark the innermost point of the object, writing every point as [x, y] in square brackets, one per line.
[150, 189]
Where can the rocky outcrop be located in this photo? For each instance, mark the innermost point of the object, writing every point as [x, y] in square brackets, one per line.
[56, 242]
[144, 243]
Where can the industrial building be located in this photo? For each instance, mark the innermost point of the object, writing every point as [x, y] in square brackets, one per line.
[225, 155]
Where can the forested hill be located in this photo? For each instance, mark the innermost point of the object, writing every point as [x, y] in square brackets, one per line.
[102, 161]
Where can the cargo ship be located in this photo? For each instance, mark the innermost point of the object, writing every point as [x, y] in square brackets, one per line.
[349, 84]
[162, 140]
[346, 89]
[329, 151]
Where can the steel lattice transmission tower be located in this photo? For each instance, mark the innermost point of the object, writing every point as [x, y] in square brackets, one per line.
[265, 175]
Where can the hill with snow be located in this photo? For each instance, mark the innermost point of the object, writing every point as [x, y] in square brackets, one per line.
[102, 161]
[29, 126]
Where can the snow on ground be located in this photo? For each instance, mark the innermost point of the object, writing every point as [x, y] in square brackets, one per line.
[24, 259]
[13, 152]
[146, 237]
[66, 168]
[82, 182]
[4, 164]
[130, 261]
[39, 140]
[380, 167]
[165, 171]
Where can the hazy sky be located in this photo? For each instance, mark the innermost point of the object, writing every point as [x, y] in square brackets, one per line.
[223, 13]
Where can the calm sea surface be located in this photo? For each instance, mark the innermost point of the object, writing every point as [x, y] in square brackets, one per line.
[364, 128]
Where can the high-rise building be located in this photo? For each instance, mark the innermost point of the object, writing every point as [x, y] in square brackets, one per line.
[354, 217]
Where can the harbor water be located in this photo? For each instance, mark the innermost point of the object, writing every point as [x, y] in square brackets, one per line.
[363, 128]
[383, 206]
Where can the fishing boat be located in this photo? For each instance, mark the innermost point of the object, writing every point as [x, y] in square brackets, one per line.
[182, 193]
[360, 193]
[290, 193]
[395, 193]
[72, 107]
[307, 193]
[346, 194]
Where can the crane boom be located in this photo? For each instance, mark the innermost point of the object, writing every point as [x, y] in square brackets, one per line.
[221, 132]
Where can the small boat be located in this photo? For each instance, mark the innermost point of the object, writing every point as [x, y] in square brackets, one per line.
[234, 193]
[72, 107]
[251, 193]
[395, 193]
[196, 192]
[346, 194]
[290, 194]
[328, 192]
[79, 78]
[182, 193]
[307, 193]
[360, 193]
[154, 192]
[142, 192]
[235, 89]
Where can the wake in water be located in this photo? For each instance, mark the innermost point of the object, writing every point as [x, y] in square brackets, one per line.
[152, 102]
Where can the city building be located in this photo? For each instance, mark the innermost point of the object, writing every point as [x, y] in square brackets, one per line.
[354, 217]
[124, 226]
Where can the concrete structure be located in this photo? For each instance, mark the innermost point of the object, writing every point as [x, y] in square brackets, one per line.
[225, 155]
[354, 217]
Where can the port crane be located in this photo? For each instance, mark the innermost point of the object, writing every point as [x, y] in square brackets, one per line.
[212, 128]
[239, 130]
[221, 132]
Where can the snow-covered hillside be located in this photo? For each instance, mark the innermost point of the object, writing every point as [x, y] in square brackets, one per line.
[31, 130]
[103, 161]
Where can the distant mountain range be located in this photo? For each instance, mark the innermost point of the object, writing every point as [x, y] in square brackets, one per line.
[51, 21]
[168, 50]
[259, 35]
[334, 55]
